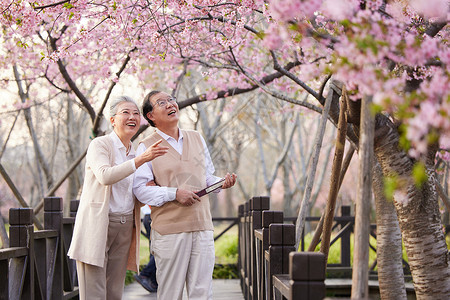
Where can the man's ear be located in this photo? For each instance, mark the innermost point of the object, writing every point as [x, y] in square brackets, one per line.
[150, 116]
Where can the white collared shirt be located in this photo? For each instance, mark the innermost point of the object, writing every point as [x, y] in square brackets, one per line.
[156, 195]
[122, 192]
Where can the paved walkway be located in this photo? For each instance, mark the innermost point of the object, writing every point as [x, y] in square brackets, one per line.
[223, 289]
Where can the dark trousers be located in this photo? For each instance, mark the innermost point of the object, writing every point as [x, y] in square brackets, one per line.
[149, 270]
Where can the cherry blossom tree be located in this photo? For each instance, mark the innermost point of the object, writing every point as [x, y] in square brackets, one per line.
[395, 52]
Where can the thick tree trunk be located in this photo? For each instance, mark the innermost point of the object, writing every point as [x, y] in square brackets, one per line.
[418, 214]
[389, 243]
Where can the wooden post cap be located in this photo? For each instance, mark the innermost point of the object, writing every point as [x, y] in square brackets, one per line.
[21, 216]
[53, 204]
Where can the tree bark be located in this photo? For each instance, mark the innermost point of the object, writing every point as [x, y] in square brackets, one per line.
[418, 215]
[389, 243]
[37, 148]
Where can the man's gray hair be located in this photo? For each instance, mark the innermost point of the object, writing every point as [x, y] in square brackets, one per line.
[116, 101]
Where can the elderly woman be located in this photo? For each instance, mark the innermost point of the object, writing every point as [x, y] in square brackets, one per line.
[105, 239]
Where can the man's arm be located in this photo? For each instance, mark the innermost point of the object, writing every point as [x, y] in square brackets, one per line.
[152, 195]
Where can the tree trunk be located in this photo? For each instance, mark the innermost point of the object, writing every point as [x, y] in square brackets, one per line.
[389, 243]
[418, 215]
[37, 148]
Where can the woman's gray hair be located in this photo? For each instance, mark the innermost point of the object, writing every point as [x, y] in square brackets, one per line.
[115, 103]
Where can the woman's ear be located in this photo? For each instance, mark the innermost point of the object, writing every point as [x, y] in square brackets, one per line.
[112, 121]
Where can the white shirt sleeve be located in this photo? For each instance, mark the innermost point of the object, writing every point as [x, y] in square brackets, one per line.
[151, 195]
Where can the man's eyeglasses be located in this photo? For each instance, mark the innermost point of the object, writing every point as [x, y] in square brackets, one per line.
[162, 103]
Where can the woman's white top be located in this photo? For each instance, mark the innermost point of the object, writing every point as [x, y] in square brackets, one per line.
[122, 192]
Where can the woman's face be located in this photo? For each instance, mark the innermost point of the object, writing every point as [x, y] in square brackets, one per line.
[126, 121]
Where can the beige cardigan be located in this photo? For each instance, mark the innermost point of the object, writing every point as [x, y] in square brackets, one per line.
[91, 223]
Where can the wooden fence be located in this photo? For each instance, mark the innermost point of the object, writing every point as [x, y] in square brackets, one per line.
[271, 268]
[36, 265]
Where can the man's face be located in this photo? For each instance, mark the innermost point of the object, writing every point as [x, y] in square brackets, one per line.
[165, 109]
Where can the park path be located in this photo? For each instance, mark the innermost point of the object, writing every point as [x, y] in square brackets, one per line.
[223, 289]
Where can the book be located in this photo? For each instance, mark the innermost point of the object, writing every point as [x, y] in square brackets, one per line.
[211, 188]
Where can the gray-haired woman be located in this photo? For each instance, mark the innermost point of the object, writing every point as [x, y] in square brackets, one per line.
[105, 240]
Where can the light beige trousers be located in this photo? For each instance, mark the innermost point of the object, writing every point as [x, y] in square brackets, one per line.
[107, 283]
[184, 258]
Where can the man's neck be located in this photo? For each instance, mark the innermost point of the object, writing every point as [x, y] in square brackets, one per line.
[172, 131]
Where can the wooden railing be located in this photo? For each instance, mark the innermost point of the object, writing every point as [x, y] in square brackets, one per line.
[269, 263]
[36, 265]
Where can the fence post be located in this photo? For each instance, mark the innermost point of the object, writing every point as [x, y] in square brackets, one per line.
[307, 275]
[281, 243]
[69, 269]
[21, 233]
[74, 208]
[257, 205]
[241, 248]
[246, 262]
[345, 239]
[268, 217]
[53, 220]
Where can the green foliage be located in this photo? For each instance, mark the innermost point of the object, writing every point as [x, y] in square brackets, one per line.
[404, 142]
[68, 5]
[227, 249]
[22, 44]
[419, 174]
[366, 43]
[390, 185]
[334, 254]
[129, 277]
[447, 238]
[229, 271]
[261, 35]
[375, 109]
[226, 256]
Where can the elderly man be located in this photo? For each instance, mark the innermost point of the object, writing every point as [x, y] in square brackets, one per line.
[182, 229]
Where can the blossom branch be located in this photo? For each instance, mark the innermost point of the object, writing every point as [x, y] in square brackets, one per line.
[71, 83]
[51, 5]
[294, 78]
[99, 114]
[263, 86]
[236, 91]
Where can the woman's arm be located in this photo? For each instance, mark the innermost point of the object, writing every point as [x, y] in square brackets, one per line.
[98, 160]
